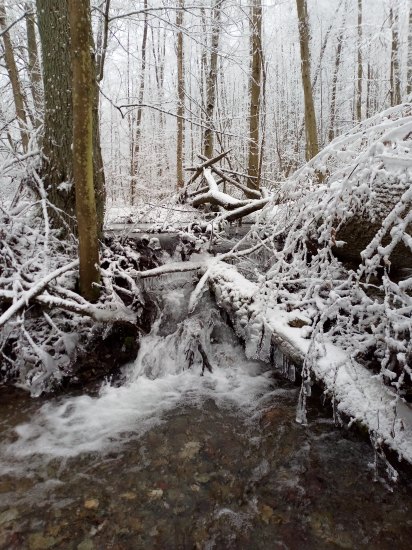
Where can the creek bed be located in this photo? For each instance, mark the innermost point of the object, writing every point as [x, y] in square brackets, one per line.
[173, 458]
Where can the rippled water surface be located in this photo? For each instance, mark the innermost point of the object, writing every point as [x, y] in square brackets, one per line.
[172, 458]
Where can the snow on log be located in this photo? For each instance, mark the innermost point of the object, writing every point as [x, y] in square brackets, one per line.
[359, 394]
[36, 289]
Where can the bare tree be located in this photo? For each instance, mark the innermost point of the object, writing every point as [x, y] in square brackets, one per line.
[180, 98]
[409, 55]
[395, 81]
[34, 63]
[211, 81]
[255, 85]
[360, 69]
[57, 166]
[312, 146]
[332, 120]
[14, 77]
[139, 112]
[83, 94]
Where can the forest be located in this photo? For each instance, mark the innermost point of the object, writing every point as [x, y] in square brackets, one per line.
[205, 273]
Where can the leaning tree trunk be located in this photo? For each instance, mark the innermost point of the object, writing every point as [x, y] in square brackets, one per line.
[312, 146]
[83, 95]
[14, 78]
[57, 168]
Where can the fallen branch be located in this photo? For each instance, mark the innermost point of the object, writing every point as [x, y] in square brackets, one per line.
[250, 193]
[36, 289]
[207, 162]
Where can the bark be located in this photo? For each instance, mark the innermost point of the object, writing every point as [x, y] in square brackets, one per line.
[101, 43]
[34, 64]
[14, 78]
[332, 121]
[180, 99]
[139, 113]
[211, 82]
[395, 92]
[83, 96]
[57, 169]
[255, 84]
[409, 56]
[312, 146]
[360, 71]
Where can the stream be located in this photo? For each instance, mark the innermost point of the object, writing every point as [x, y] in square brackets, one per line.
[173, 456]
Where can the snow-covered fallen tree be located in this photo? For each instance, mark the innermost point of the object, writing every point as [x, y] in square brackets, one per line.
[346, 324]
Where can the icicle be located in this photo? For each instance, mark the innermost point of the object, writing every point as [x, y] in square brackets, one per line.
[301, 416]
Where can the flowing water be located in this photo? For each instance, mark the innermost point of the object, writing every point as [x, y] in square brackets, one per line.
[176, 456]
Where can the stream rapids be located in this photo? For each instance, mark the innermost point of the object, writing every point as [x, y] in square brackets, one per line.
[179, 456]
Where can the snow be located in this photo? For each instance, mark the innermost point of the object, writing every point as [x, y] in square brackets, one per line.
[359, 393]
[159, 380]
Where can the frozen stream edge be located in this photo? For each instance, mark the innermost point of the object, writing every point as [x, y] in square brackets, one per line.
[358, 393]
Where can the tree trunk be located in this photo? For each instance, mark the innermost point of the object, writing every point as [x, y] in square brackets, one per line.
[332, 121]
[395, 83]
[360, 71]
[34, 65]
[255, 92]
[14, 78]
[211, 82]
[136, 145]
[57, 169]
[409, 56]
[180, 99]
[83, 93]
[101, 42]
[312, 146]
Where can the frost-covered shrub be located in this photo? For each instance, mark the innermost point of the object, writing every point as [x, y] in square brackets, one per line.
[355, 195]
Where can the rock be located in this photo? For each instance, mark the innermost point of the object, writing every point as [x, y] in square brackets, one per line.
[9, 515]
[155, 494]
[203, 478]
[37, 541]
[266, 513]
[91, 504]
[129, 495]
[134, 524]
[86, 544]
[190, 450]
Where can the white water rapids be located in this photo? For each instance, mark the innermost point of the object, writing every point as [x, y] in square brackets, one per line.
[159, 380]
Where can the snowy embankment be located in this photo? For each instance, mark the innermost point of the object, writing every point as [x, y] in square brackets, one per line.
[271, 333]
